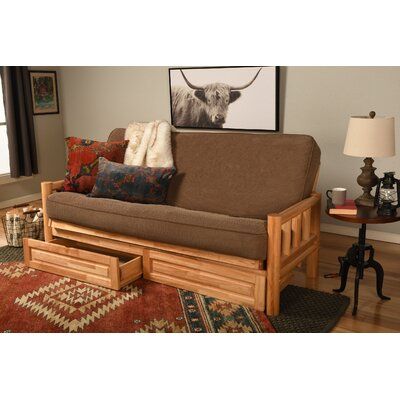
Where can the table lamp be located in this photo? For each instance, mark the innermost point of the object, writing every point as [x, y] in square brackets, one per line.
[369, 137]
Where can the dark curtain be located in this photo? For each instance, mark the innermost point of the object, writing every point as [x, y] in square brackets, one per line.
[19, 119]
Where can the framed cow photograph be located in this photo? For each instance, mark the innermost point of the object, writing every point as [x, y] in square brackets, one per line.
[233, 98]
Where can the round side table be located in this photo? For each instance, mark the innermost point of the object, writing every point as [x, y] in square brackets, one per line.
[355, 255]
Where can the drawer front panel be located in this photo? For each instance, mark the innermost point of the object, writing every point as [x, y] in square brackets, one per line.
[70, 262]
[204, 278]
[70, 273]
[230, 283]
[88, 266]
[223, 270]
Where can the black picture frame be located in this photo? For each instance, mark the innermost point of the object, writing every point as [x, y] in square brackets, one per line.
[277, 100]
[33, 74]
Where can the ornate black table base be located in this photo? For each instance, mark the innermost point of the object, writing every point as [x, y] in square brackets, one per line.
[356, 257]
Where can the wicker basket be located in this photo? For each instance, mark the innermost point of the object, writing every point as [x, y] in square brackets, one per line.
[19, 224]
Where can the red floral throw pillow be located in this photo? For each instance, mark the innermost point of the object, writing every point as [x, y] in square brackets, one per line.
[83, 160]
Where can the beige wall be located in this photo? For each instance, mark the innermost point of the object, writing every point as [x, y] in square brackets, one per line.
[320, 100]
[99, 99]
[314, 100]
[51, 156]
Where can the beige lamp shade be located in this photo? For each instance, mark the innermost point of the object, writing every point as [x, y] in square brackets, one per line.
[370, 137]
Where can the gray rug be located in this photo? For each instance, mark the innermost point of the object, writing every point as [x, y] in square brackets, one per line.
[309, 311]
[9, 254]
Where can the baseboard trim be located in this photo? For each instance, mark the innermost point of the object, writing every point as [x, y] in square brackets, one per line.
[353, 231]
[20, 200]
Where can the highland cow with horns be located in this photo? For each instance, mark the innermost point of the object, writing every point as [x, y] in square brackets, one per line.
[204, 106]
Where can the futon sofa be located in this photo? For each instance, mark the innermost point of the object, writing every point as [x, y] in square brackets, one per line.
[241, 214]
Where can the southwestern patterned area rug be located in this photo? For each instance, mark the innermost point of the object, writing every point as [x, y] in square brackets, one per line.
[35, 301]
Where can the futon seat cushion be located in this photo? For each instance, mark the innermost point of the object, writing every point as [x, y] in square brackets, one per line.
[244, 237]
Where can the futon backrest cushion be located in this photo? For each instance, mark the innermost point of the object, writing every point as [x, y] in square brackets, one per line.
[240, 174]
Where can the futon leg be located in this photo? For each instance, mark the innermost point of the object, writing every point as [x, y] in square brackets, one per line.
[273, 300]
[47, 189]
[273, 294]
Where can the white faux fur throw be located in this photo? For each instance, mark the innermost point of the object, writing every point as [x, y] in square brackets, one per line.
[149, 144]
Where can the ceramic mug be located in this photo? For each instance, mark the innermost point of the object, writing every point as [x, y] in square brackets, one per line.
[338, 196]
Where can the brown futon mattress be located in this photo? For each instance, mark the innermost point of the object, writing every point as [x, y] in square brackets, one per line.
[244, 237]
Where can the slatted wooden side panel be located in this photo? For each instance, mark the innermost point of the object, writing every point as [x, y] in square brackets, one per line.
[294, 232]
[287, 238]
[293, 239]
[306, 225]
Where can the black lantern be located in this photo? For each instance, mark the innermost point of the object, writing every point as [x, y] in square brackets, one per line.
[387, 196]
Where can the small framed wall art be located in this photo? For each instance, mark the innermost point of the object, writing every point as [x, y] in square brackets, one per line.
[44, 92]
[233, 98]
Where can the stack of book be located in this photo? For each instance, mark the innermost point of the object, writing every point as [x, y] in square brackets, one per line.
[348, 208]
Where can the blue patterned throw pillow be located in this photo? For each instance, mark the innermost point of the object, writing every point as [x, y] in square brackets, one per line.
[132, 183]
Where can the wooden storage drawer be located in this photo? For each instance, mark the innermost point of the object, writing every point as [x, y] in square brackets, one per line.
[84, 265]
[231, 283]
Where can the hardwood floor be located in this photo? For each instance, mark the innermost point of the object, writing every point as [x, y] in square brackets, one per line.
[374, 315]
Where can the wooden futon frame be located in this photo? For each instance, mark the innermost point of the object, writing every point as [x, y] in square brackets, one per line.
[95, 256]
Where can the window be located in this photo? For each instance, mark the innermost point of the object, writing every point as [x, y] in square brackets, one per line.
[4, 154]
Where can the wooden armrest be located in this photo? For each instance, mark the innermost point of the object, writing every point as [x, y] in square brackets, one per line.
[49, 187]
[291, 228]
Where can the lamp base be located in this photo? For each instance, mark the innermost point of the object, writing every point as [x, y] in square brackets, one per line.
[367, 180]
[365, 200]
